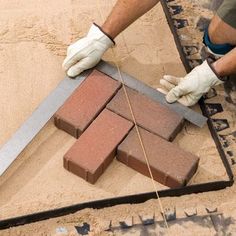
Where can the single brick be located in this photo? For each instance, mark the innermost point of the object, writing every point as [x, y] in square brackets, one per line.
[169, 164]
[96, 147]
[87, 101]
[149, 114]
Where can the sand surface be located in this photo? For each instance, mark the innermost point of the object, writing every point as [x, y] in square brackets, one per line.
[34, 35]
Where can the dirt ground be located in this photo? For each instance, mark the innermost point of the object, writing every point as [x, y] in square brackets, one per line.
[34, 35]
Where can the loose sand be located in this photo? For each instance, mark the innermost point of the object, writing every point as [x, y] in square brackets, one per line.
[34, 35]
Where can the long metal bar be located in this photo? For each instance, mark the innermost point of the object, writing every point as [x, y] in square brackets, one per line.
[189, 114]
[30, 128]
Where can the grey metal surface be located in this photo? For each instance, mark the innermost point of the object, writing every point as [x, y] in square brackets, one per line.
[190, 115]
[30, 128]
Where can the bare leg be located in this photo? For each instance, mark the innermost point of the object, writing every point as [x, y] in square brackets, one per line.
[220, 32]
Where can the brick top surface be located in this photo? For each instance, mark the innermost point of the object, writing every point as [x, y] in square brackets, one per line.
[149, 114]
[88, 100]
[99, 140]
[163, 156]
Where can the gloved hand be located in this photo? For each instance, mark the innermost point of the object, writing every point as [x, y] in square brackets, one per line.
[189, 89]
[86, 52]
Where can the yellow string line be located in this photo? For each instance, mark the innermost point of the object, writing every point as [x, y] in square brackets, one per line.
[135, 123]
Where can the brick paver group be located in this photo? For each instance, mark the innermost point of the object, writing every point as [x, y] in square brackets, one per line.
[97, 113]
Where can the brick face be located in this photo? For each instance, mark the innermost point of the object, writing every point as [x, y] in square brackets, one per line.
[170, 165]
[149, 114]
[82, 107]
[96, 147]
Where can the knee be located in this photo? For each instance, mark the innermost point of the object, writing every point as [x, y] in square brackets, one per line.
[220, 32]
[213, 30]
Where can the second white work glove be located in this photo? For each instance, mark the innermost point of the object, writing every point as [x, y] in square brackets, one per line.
[86, 52]
[189, 89]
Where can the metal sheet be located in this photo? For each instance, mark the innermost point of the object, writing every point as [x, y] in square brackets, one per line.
[190, 115]
[30, 128]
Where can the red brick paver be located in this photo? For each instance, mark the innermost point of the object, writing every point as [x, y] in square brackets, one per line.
[82, 107]
[149, 114]
[96, 147]
[170, 165]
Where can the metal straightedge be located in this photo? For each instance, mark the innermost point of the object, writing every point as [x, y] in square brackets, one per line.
[190, 115]
[31, 127]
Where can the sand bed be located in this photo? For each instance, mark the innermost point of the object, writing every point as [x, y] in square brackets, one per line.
[37, 180]
[34, 37]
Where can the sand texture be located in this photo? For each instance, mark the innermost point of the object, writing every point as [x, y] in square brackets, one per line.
[34, 35]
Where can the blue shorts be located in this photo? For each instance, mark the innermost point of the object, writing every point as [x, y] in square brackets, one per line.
[221, 49]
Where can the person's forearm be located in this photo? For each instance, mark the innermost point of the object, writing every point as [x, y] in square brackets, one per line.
[124, 13]
[227, 64]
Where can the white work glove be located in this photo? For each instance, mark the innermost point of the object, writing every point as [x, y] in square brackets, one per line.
[189, 89]
[86, 52]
